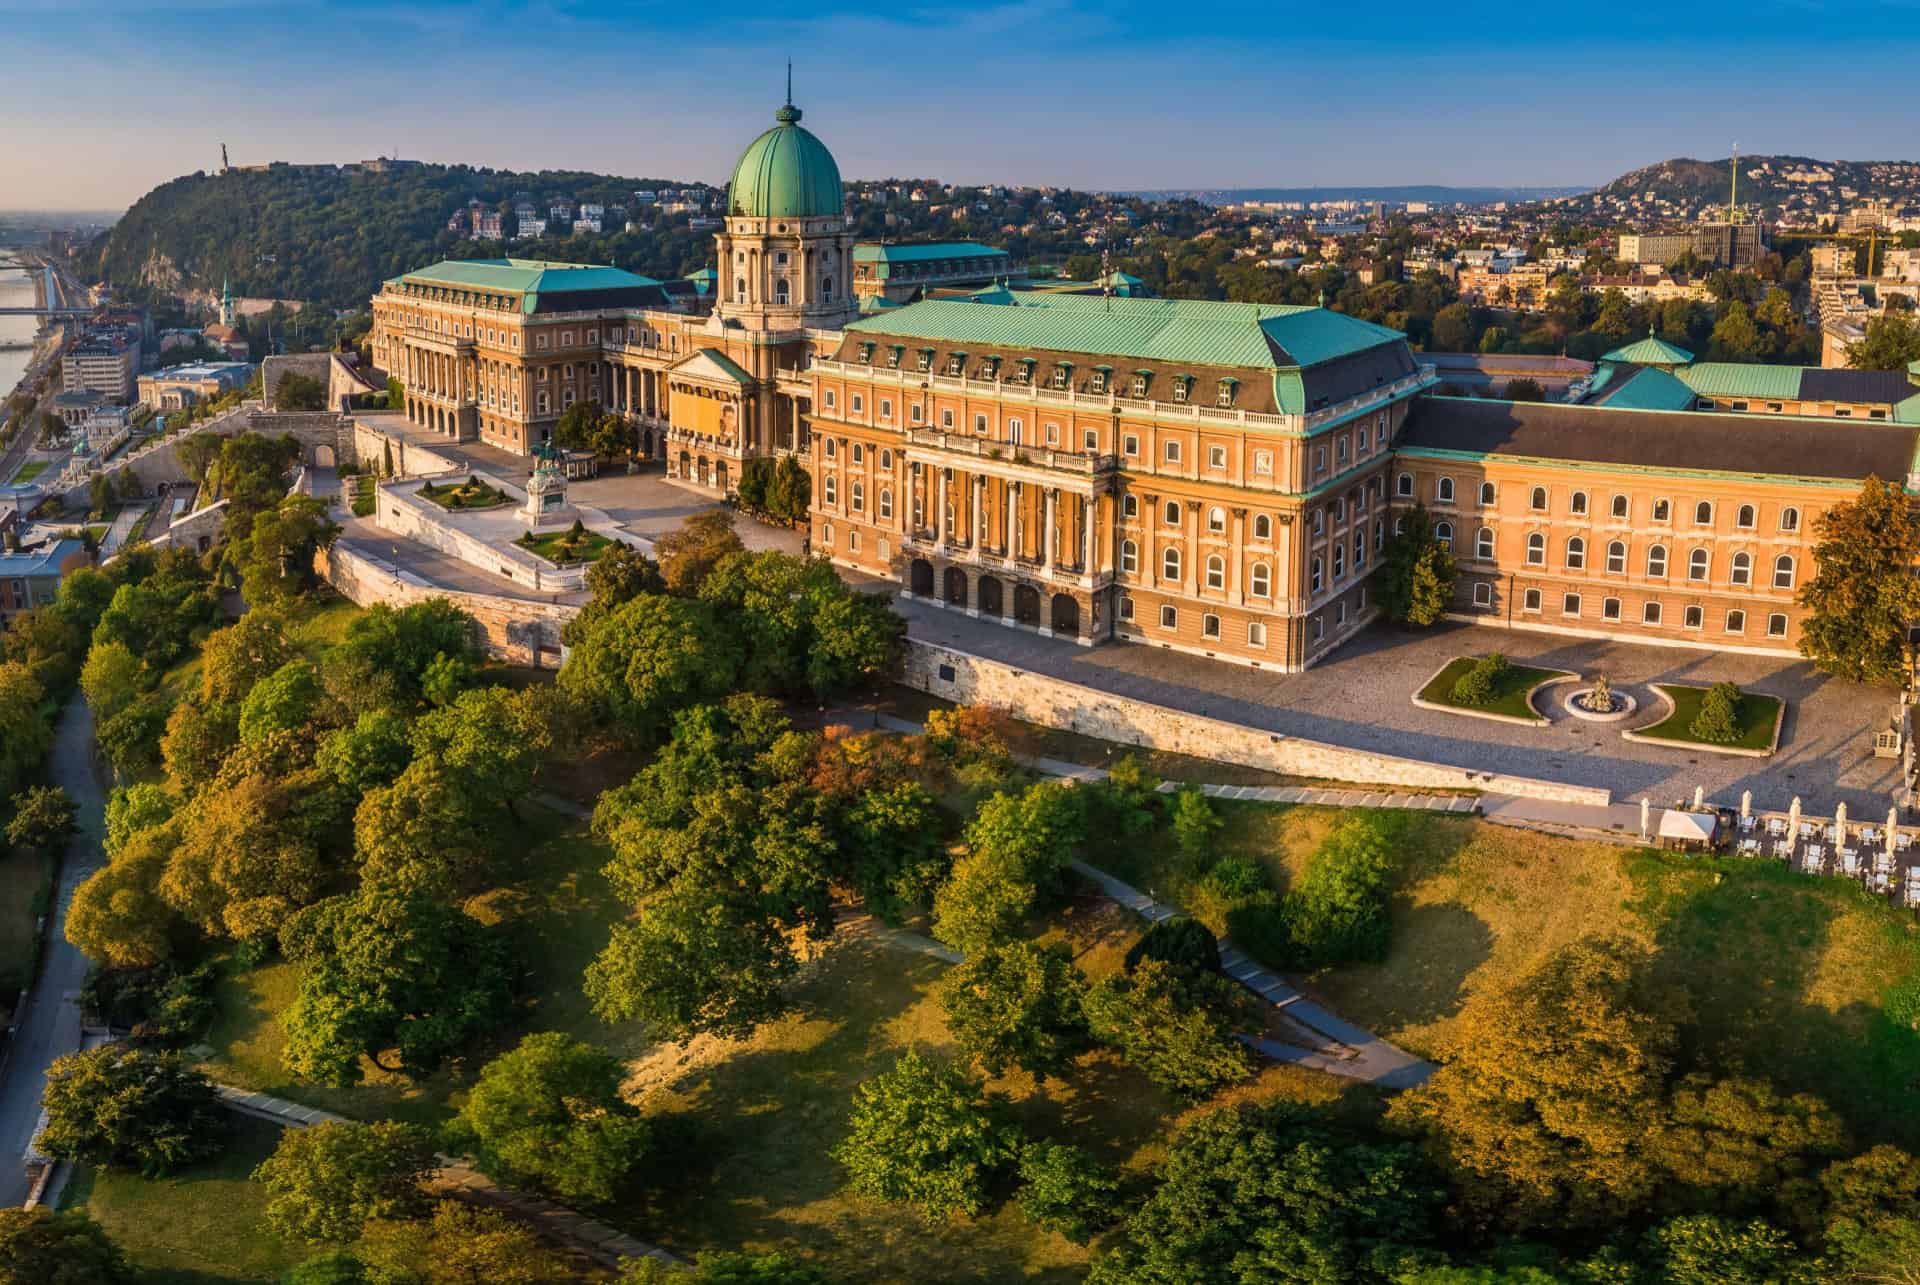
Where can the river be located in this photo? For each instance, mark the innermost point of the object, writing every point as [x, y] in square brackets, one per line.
[16, 291]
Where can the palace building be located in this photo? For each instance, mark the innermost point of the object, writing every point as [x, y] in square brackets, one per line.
[1093, 463]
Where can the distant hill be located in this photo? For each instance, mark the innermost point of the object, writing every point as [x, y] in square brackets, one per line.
[1433, 194]
[1776, 186]
[330, 237]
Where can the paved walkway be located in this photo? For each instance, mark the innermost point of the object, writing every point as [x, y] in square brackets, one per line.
[49, 1026]
[456, 1178]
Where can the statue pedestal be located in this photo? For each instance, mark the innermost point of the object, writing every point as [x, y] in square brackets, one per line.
[546, 504]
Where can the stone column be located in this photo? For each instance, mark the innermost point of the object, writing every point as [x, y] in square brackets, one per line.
[1190, 527]
[940, 510]
[1016, 523]
[1048, 514]
[1089, 508]
[977, 520]
[1236, 554]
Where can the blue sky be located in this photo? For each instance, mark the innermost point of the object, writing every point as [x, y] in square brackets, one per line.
[101, 99]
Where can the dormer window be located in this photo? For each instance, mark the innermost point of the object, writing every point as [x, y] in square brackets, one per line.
[1225, 396]
[893, 356]
[990, 368]
[1099, 383]
[1140, 378]
[1181, 385]
[866, 354]
[926, 359]
[956, 363]
[1025, 374]
[1061, 374]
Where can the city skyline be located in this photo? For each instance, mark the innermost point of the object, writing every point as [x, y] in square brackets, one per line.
[1126, 101]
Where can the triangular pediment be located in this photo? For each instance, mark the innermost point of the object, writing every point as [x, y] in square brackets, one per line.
[711, 366]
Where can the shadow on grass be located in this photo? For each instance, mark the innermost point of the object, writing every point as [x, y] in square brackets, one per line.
[1808, 981]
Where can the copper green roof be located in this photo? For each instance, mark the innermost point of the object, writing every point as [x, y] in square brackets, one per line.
[1202, 332]
[1648, 388]
[1742, 379]
[1650, 352]
[527, 278]
[1908, 411]
[786, 173]
[876, 252]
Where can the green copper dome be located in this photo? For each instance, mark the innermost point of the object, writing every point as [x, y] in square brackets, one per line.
[786, 174]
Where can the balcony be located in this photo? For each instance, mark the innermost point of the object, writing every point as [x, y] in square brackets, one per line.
[1029, 456]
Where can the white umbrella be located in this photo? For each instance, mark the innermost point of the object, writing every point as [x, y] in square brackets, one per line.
[1893, 820]
[1643, 818]
[1699, 797]
[1793, 824]
[1746, 804]
[1840, 825]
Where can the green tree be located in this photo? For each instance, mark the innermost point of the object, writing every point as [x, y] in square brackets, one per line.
[1525, 390]
[690, 552]
[1863, 594]
[460, 1245]
[369, 754]
[1194, 823]
[1719, 716]
[890, 843]
[132, 808]
[619, 575]
[275, 558]
[284, 701]
[233, 659]
[49, 643]
[1017, 1004]
[693, 962]
[1453, 329]
[27, 737]
[925, 1134]
[325, 1181]
[1175, 1025]
[1891, 342]
[127, 1108]
[40, 1247]
[118, 917]
[42, 818]
[297, 392]
[403, 643]
[1543, 1113]
[112, 679]
[1018, 844]
[1735, 337]
[549, 1114]
[1180, 941]
[724, 1269]
[1705, 1250]
[1339, 912]
[650, 656]
[789, 491]
[1251, 1194]
[1734, 1144]
[197, 741]
[1064, 1189]
[1416, 571]
[388, 976]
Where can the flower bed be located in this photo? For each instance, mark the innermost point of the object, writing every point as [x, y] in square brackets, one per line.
[470, 494]
[1757, 720]
[565, 548]
[1510, 698]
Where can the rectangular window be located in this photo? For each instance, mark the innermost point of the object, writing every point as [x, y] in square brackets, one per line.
[1092, 440]
[1256, 633]
[1777, 625]
[886, 408]
[1216, 457]
[1570, 604]
[1130, 445]
[858, 403]
[1263, 463]
[1126, 607]
[1169, 618]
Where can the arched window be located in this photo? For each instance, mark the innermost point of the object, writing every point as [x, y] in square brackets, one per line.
[1170, 564]
[1783, 571]
[1170, 513]
[1538, 500]
[1663, 510]
[1745, 517]
[1403, 486]
[1129, 556]
[886, 501]
[1657, 561]
[1697, 561]
[1693, 617]
[1483, 544]
[826, 289]
[1317, 575]
[1263, 527]
[1339, 561]
[886, 458]
[1443, 490]
[828, 490]
[1576, 554]
[1443, 533]
[739, 289]
[1579, 504]
[1259, 580]
[1742, 573]
[1620, 507]
[829, 449]
[1703, 513]
[1486, 495]
[857, 496]
[1216, 520]
[780, 291]
[1130, 506]
[1536, 550]
[1216, 572]
[1616, 558]
[1789, 519]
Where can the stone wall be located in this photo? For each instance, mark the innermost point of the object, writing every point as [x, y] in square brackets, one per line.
[374, 447]
[398, 508]
[520, 633]
[1052, 702]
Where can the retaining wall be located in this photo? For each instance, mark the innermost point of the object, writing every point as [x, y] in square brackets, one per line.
[518, 632]
[371, 447]
[1052, 702]
[399, 509]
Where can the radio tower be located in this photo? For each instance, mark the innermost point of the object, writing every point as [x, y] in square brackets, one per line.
[1733, 193]
[225, 165]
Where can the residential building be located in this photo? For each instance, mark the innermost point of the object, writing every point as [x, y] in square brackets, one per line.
[177, 387]
[105, 362]
[30, 576]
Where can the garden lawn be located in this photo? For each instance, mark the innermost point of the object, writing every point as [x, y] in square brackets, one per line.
[1509, 691]
[1808, 981]
[1756, 717]
[467, 495]
[201, 1226]
[563, 548]
[28, 471]
[316, 626]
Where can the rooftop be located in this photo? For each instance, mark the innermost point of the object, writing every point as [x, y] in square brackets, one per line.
[41, 560]
[530, 278]
[1650, 352]
[913, 252]
[201, 370]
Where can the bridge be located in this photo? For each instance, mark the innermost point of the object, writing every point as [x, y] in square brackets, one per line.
[46, 312]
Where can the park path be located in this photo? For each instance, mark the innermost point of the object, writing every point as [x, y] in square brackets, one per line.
[49, 1026]
[458, 1179]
